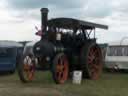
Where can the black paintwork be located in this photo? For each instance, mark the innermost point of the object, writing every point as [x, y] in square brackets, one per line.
[70, 23]
[70, 43]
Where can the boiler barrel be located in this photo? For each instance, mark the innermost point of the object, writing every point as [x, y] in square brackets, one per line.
[43, 48]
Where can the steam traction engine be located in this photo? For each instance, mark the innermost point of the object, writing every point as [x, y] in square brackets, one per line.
[66, 44]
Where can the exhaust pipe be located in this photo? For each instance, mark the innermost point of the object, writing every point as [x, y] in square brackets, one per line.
[44, 19]
[43, 48]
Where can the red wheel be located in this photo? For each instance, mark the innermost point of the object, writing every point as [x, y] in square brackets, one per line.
[92, 61]
[60, 68]
[26, 68]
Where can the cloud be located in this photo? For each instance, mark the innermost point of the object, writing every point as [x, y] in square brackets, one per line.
[30, 4]
[18, 31]
[22, 15]
[68, 8]
[98, 8]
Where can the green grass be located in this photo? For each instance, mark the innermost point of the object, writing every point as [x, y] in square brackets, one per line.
[108, 85]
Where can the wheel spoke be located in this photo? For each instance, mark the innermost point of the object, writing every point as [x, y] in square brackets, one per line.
[59, 75]
[96, 67]
[26, 67]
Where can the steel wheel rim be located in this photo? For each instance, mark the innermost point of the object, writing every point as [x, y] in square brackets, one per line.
[94, 61]
[61, 69]
[28, 68]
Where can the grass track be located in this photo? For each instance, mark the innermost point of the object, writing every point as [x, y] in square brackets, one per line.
[108, 85]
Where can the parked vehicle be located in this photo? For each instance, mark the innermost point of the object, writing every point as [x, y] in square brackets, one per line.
[65, 45]
[117, 56]
[8, 55]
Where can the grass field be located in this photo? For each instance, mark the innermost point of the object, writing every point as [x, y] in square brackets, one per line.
[108, 85]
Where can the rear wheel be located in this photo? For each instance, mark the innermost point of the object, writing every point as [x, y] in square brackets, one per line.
[26, 68]
[91, 58]
[60, 68]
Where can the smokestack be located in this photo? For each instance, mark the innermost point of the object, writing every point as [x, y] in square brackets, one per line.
[44, 19]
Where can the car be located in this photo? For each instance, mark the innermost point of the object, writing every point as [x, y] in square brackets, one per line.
[65, 45]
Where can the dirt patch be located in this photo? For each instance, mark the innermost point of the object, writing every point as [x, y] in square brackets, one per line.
[15, 91]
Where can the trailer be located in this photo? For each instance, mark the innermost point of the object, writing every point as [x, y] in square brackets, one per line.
[117, 56]
[66, 45]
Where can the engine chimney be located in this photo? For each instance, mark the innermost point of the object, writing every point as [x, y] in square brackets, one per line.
[44, 19]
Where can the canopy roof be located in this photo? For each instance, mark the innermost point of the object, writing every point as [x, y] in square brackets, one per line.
[69, 23]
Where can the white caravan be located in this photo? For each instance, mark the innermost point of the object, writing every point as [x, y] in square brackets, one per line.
[117, 55]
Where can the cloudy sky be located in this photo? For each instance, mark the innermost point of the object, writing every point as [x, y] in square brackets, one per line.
[18, 18]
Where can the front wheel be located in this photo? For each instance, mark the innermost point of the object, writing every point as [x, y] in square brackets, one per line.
[60, 68]
[26, 68]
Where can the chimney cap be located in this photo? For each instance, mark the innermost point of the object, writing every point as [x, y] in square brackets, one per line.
[44, 10]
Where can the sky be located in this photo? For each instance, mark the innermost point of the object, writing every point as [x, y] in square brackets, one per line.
[18, 18]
